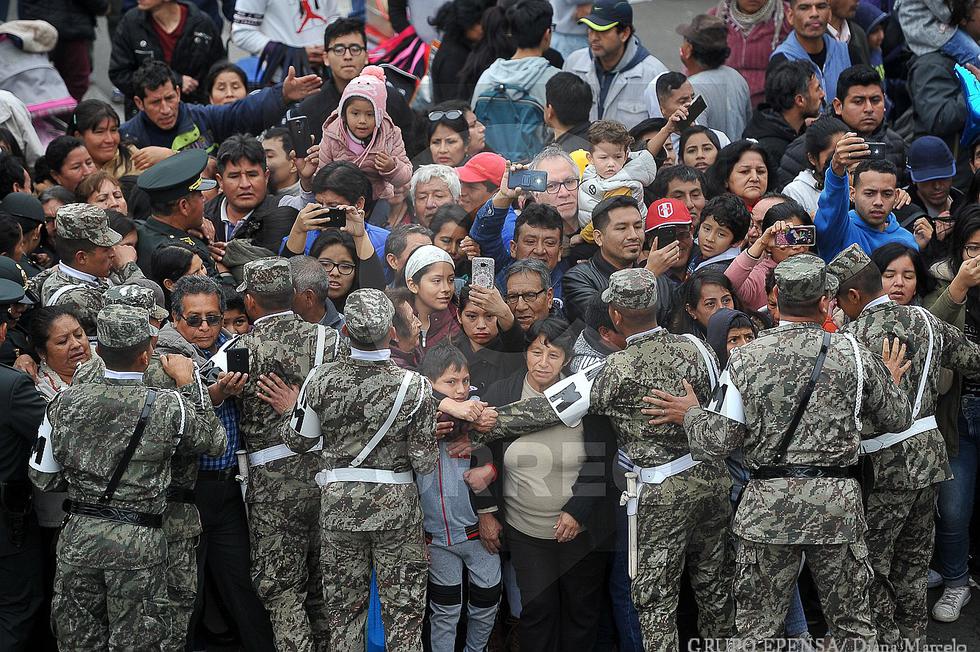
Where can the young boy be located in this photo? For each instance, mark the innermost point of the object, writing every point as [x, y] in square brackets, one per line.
[612, 167]
[235, 320]
[451, 526]
[724, 222]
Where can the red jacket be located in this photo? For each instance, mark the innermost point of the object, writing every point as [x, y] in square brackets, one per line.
[750, 55]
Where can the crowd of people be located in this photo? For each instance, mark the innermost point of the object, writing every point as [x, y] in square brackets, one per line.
[560, 350]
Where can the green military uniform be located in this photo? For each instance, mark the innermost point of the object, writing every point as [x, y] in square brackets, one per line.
[682, 520]
[282, 493]
[111, 584]
[370, 512]
[801, 498]
[900, 509]
[27, 210]
[16, 341]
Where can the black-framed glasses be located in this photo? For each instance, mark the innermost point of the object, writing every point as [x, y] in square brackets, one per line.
[195, 321]
[971, 250]
[346, 269]
[513, 299]
[453, 114]
[354, 50]
[553, 187]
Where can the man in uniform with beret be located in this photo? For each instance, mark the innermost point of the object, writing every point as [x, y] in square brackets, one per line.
[29, 213]
[111, 441]
[376, 424]
[21, 560]
[796, 401]
[16, 342]
[282, 494]
[908, 465]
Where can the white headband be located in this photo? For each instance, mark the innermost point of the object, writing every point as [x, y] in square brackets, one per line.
[423, 257]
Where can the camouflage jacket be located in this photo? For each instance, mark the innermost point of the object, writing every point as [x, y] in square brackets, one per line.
[352, 398]
[283, 344]
[771, 374]
[85, 294]
[90, 426]
[920, 460]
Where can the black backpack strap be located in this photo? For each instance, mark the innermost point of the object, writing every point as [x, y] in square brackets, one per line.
[807, 392]
[127, 456]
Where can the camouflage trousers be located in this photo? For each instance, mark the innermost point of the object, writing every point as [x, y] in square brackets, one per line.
[692, 534]
[98, 609]
[285, 538]
[901, 530]
[181, 589]
[398, 557]
[766, 573]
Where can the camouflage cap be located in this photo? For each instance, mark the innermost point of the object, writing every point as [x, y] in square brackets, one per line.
[267, 276]
[137, 296]
[632, 289]
[368, 314]
[803, 278]
[121, 326]
[848, 263]
[85, 222]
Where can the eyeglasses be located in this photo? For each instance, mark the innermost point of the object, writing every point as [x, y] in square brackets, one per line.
[346, 269]
[571, 185]
[971, 250]
[195, 321]
[436, 116]
[513, 299]
[354, 50]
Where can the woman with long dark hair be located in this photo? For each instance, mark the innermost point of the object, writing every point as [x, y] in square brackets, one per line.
[903, 273]
[460, 25]
[706, 292]
[743, 169]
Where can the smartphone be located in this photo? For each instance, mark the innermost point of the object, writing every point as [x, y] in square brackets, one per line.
[299, 137]
[698, 106]
[665, 235]
[483, 272]
[237, 360]
[528, 180]
[879, 149]
[335, 217]
[797, 236]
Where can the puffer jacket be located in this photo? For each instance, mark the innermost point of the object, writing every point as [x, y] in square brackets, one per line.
[74, 19]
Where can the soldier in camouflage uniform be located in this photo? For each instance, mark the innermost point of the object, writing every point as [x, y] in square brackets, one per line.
[900, 509]
[112, 443]
[802, 497]
[282, 493]
[370, 513]
[88, 264]
[683, 519]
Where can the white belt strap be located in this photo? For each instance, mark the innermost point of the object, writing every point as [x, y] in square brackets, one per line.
[53, 299]
[925, 370]
[890, 439]
[373, 476]
[709, 360]
[657, 474]
[399, 400]
[274, 453]
[321, 340]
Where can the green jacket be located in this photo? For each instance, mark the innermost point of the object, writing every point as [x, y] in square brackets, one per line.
[942, 306]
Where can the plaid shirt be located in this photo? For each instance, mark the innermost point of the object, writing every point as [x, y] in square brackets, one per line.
[228, 415]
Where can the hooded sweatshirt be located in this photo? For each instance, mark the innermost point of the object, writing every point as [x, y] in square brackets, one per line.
[338, 144]
[718, 326]
[529, 73]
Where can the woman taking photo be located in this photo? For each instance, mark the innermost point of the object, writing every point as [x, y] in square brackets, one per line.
[742, 169]
[430, 275]
[348, 267]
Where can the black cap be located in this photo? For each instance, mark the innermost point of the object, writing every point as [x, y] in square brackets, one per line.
[11, 270]
[23, 207]
[606, 14]
[176, 176]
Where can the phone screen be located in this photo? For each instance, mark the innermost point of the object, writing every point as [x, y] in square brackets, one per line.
[698, 106]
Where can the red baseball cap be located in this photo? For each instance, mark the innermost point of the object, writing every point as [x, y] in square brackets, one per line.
[485, 166]
[667, 211]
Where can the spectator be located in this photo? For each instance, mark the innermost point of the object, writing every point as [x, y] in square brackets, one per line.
[448, 136]
[349, 260]
[845, 29]
[51, 200]
[903, 274]
[172, 263]
[96, 124]
[101, 189]
[460, 27]
[402, 242]
[793, 96]
[68, 161]
[449, 227]
[727, 330]
[265, 27]
[616, 66]
[403, 13]
[154, 31]
[11, 238]
[569, 32]
[874, 21]
[226, 83]
[568, 101]
[433, 186]
[235, 319]
[27, 211]
[698, 147]
[406, 351]
[312, 285]
[762, 206]
[742, 169]
[528, 292]
[932, 168]
[687, 185]
[701, 296]
[810, 42]
[283, 175]
[494, 338]
[724, 222]
[860, 104]
[479, 180]
[429, 275]
[820, 141]
[14, 176]
[669, 92]
[726, 93]
[671, 213]
[167, 122]
[755, 28]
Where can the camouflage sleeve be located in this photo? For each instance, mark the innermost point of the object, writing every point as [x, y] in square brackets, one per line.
[423, 449]
[212, 438]
[959, 353]
[520, 418]
[884, 406]
[128, 273]
[715, 431]
[88, 372]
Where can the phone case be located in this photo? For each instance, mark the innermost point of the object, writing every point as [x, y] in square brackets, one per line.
[483, 272]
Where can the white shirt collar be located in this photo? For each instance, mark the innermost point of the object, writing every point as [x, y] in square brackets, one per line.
[275, 314]
[844, 35]
[880, 301]
[123, 375]
[636, 336]
[74, 273]
[223, 212]
[370, 356]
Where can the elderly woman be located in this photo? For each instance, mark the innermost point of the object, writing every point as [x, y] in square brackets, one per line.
[433, 186]
[103, 190]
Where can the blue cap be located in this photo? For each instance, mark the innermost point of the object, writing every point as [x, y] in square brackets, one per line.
[929, 158]
[606, 14]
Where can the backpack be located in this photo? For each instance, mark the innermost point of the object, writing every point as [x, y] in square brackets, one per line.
[514, 121]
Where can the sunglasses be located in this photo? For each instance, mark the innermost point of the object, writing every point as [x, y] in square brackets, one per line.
[436, 116]
[195, 321]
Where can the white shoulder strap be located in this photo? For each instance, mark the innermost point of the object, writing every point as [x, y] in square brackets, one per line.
[304, 420]
[60, 292]
[728, 400]
[859, 367]
[321, 340]
[386, 426]
[928, 364]
[709, 361]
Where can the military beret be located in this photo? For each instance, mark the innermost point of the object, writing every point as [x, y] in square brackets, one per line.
[11, 270]
[632, 289]
[266, 276]
[803, 278]
[368, 314]
[848, 263]
[23, 206]
[137, 296]
[85, 222]
[120, 326]
[176, 176]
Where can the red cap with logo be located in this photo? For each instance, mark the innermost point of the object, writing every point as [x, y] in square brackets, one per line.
[485, 166]
[667, 211]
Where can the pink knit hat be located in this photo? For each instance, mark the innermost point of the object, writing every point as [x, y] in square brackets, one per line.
[369, 85]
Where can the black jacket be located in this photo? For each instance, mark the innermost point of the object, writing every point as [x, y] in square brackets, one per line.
[135, 43]
[575, 138]
[74, 19]
[586, 280]
[444, 73]
[502, 357]
[266, 226]
[771, 130]
[857, 47]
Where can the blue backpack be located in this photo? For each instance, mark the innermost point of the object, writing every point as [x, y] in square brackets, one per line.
[514, 121]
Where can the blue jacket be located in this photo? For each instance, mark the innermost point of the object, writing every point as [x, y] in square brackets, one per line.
[204, 126]
[838, 227]
[838, 59]
[493, 230]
